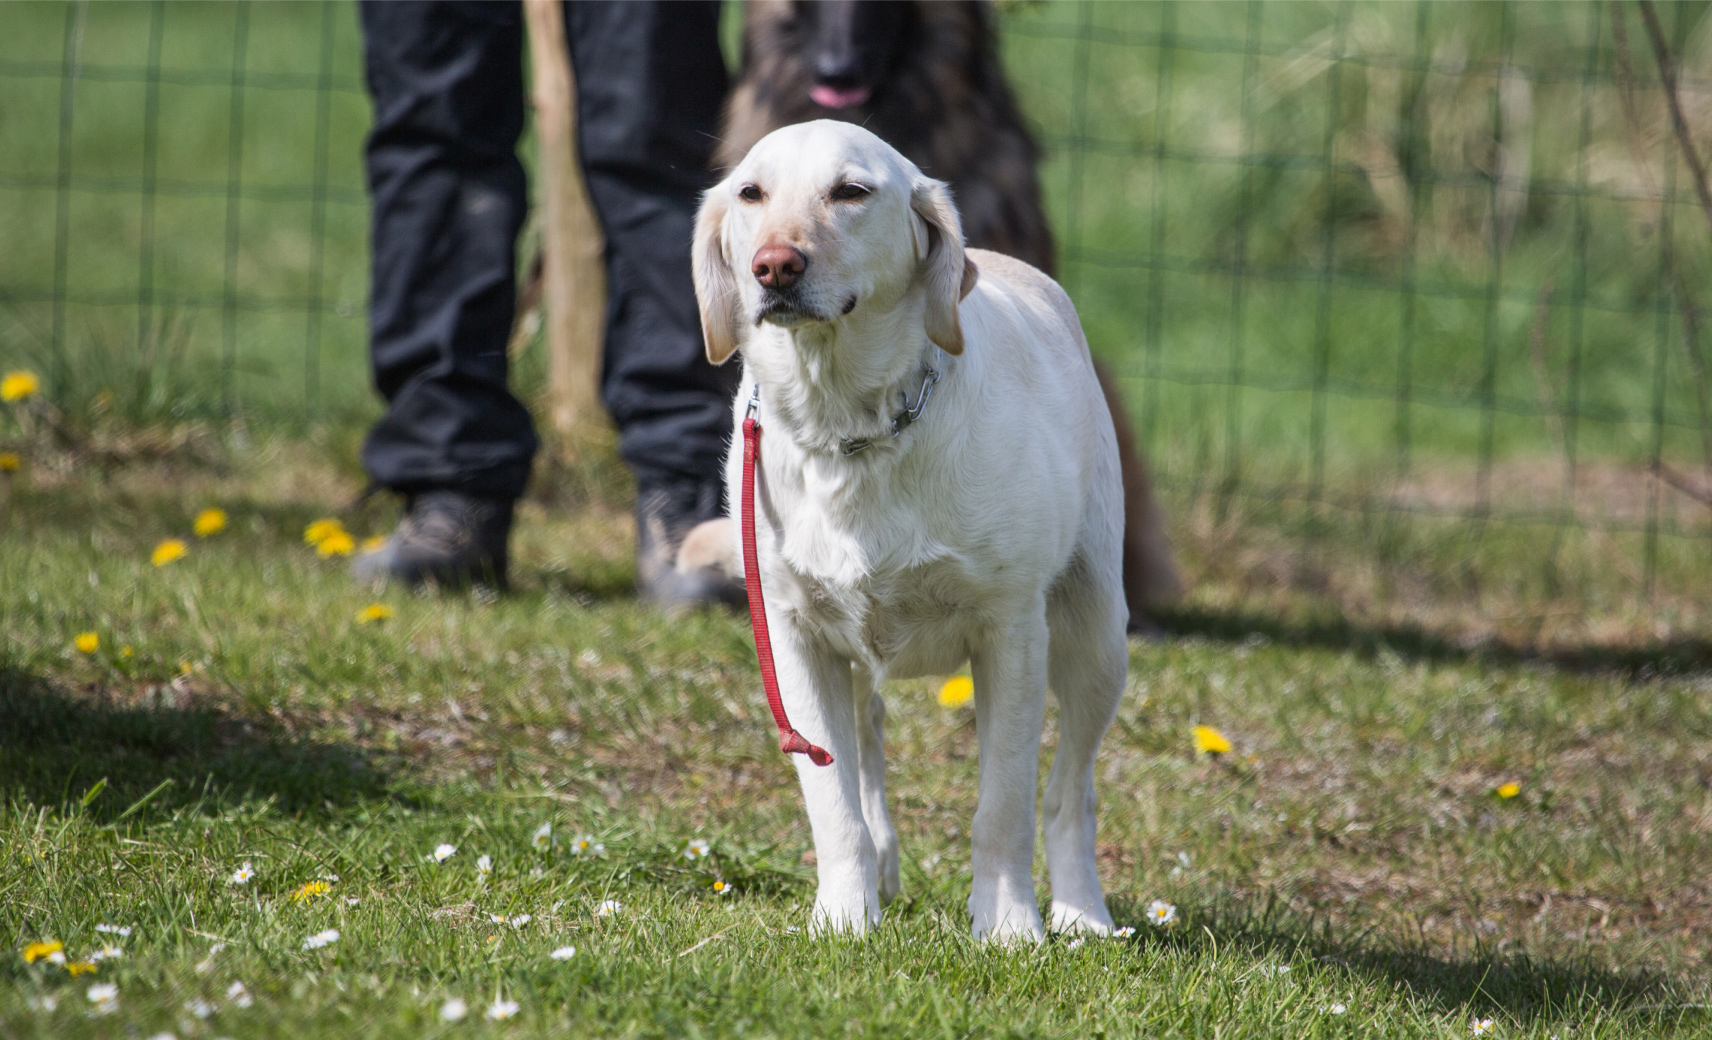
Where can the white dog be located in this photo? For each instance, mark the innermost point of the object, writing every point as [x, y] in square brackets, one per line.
[938, 483]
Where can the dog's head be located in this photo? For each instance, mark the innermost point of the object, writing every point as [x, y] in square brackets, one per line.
[819, 220]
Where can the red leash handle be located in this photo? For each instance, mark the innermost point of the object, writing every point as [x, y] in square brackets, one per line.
[790, 741]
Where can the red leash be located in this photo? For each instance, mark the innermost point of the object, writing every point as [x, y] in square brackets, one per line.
[790, 741]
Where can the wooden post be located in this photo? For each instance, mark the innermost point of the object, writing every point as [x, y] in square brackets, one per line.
[574, 269]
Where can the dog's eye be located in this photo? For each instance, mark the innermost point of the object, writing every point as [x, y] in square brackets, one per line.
[849, 191]
[749, 193]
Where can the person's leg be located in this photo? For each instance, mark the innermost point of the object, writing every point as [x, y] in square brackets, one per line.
[449, 198]
[650, 85]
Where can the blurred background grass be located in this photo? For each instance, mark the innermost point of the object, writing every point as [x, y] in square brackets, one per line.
[1397, 291]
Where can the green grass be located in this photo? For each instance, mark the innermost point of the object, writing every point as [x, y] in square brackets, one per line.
[1353, 836]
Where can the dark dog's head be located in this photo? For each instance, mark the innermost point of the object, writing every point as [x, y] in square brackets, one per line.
[850, 48]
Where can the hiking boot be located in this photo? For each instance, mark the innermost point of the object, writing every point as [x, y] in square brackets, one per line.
[665, 513]
[447, 538]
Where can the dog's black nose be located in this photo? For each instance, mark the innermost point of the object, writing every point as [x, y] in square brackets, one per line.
[778, 266]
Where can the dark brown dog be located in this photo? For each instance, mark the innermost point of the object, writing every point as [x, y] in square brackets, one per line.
[925, 77]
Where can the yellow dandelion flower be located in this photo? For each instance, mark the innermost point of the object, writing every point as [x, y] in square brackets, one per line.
[87, 642]
[317, 532]
[209, 522]
[168, 551]
[127, 651]
[16, 386]
[373, 543]
[1210, 741]
[373, 612]
[957, 691]
[336, 544]
[185, 668]
[1508, 790]
[309, 890]
[37, 950]
[10, 462]
[81, 968]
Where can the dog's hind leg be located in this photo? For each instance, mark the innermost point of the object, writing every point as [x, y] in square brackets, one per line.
[871, 746]
[1089, 659]
[1010, 705]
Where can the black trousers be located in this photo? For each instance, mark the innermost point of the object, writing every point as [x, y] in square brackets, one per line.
[449, 198]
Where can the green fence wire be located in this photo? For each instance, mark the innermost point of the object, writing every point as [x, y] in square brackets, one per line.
[1359, 265]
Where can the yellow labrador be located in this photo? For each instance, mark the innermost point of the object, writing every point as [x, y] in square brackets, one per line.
[939, 483]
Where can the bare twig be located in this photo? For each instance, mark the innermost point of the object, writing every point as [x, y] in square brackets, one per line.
[1670, 476]
[1625, 76]
[1667, 72]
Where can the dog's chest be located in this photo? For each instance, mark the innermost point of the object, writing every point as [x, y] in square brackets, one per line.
[884, 594]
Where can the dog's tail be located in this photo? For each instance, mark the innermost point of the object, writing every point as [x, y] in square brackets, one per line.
[1150, 575]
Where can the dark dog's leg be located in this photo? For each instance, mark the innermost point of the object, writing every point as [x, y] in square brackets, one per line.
[1150, 575]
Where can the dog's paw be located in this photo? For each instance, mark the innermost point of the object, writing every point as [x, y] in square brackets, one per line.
[1005, 922]
[1090, 920]
[843, 918]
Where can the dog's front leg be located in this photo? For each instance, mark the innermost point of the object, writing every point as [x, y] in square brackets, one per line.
[816, 689]
[1010, 708]
[871, 738]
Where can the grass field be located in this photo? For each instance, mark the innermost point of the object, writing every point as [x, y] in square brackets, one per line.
[1384, 657]
[1350, 852]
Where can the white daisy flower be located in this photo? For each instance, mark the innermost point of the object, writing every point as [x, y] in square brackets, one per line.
[199, 1007]
[697, 849]
[238, 995]
[121, 930]
[1074, 944]
[57, 957]
[331, 879]
[1123, 933]
[608, 908]
[502, 1009]
[721, 888]
[242, 875]
[521, 919]
[105, 997]
[453, 1010]
[352, 901]
[45, 1002]
[585, 845]
[444, 852]
[106, 953]
[537, 872]
[1482, 1026]
[563, 953]
[1338, 1009]
[1160, 913]
[543, 837]
[484, 864]
[320, 939]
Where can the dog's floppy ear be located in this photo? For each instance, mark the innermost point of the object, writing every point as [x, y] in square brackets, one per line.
[715, 285]
[947, 274]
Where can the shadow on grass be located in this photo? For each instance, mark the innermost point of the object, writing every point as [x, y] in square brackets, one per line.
[56, 745]
[1480, 983]
[1684, 656]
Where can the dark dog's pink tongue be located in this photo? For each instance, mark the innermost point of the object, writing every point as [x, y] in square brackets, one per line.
[838, 97]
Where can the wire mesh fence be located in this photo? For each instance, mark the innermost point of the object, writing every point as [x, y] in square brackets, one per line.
[1411, 283]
